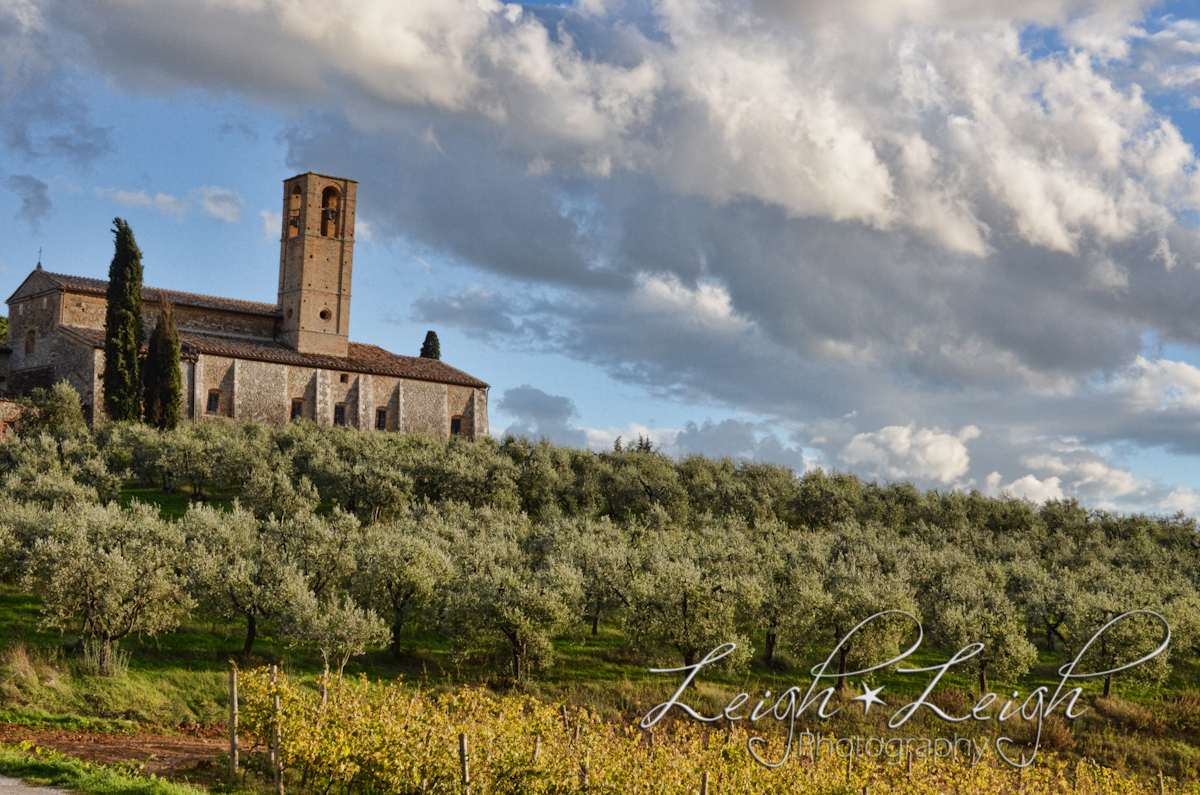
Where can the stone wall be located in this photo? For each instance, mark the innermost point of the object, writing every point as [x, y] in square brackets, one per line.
[264, 391]
[38, 315]
[78, 364]
[86, 310]
[425, 408]
[214, 372]
[260, 392]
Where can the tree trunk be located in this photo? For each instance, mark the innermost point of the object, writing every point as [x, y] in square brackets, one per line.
[396, 641]
[596, 619]
[522, 662]
[841, 683]
[770, 650]
[251, 631]
[104, 657]
[1107, 685]
[982, 679]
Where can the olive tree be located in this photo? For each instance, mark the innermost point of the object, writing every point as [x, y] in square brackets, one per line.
[508, 595]
[401, 568]
[117, 571]
[337, 627]
[965, 603]
[236, 568]
[694, 591]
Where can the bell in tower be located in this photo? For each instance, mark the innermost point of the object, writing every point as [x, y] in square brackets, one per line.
[316, 258]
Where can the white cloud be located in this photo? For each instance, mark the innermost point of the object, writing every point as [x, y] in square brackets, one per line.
[1087, 474]
[272, 223]
[905, 452]
[1184, 499]
[706, 305]
[1034, 490]
[220, 203]
[1159, 385]
[163, 202]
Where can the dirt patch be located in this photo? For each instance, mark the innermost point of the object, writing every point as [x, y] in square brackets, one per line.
[163, 754]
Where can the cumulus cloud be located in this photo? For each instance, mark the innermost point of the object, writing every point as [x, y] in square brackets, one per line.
[1034, 490]
[35, 199]
[222, 204]
[869, 220]
[908, 452]
[272, 223]
[219, 203]
[540, 414]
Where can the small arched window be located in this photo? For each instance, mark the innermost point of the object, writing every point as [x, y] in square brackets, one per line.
[214, 402]
[329, 212]
[294, 220]
[30, 342]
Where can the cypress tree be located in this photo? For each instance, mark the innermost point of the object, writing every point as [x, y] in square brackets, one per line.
[163, 381]
[123, 331]
[431, 349]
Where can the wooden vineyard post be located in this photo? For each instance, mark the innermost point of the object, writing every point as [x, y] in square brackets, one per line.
[910, 758]
[1162, 787]
[704, 783]
[585, 769]
[537, 748]
[233, 721]
[463, 763]
[276, 761]
[849, 764]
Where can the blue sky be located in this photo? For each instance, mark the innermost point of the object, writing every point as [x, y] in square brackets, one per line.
[948, 242]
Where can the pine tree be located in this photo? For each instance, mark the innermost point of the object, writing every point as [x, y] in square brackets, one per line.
[431, 349]
[3, 330]
[123, 331]
[163, 380]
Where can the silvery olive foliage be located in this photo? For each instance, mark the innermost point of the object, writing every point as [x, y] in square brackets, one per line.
[967, 603]
[114, 571]
[335, 626]
[236, 569]
[696, 589]
[508, 547]
[401, 570]
[508, 595]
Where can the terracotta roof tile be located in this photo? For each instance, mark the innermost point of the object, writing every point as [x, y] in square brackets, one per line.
[150, 295]
[362, 358]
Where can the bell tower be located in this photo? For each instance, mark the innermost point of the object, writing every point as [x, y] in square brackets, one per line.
[316, 258]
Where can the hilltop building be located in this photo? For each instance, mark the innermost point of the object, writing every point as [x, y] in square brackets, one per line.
[274, 363]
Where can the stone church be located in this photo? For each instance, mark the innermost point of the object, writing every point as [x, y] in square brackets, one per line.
[274, 363]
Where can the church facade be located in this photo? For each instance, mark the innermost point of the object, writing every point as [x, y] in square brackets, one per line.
[274, 363]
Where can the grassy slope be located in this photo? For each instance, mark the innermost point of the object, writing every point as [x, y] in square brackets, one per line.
[178, 679]
[46, 768]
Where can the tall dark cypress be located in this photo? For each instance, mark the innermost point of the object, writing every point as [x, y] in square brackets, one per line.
[432, 349]
[163, 380]
[123, 331]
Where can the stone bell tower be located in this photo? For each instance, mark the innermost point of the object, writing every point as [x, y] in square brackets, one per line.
[316, 258]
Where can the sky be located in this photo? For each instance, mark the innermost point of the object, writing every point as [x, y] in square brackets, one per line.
[951, 242]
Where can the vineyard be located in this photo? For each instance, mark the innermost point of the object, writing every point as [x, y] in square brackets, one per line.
[561, 574]
[370, 738]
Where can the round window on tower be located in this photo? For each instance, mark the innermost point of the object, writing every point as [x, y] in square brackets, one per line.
[326, 314]
[289, 313]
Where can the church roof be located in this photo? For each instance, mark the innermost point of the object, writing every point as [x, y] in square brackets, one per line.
[151, 295]
[370, 359]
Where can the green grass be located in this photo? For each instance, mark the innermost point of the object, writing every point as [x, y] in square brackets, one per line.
[178, 679]
[40, 767]
[175, 504]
